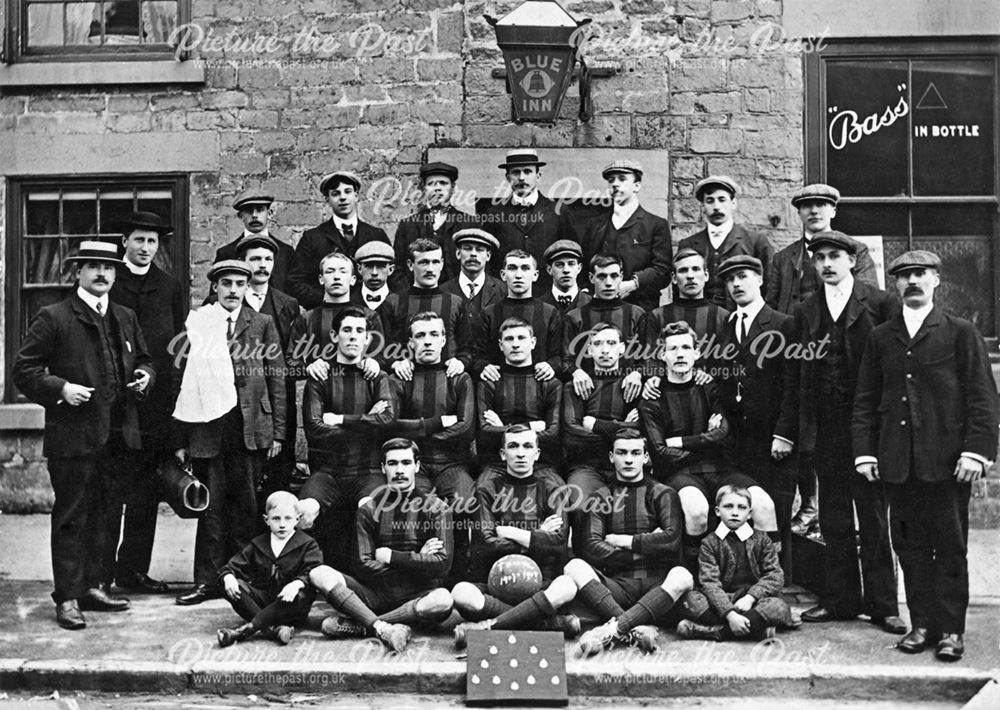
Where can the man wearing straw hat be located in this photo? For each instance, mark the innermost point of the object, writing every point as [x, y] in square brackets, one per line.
[84, 359]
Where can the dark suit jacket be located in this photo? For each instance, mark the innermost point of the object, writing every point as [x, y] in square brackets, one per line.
[740, 240]
[784, 275]
[532, 229]
[420, 225]
[161, 304]
[259, 369]
[866, 308]
[282, 260]
[717, 565]
[492, 291]
[63, 344]
[766, 385]
[643, 244]
[920, 403]
[256, 564]
[284, 310]
[303, 277]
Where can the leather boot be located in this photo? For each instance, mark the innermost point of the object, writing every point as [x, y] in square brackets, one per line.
[227, 637]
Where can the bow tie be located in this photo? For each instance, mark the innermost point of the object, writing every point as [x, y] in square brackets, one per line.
[716, 234]
[565, 300]
[373, 297]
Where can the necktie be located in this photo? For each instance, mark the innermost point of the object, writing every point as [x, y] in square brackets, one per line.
[230, 328]
[564, 300]
[373, 298]
[472, 290]
[741, 333]
[100, 309]
[348, 231]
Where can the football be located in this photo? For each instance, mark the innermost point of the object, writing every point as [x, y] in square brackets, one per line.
[514, 578]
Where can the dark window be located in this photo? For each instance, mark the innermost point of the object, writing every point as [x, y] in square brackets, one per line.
[49, 218]
[907, 131]
[105, 29]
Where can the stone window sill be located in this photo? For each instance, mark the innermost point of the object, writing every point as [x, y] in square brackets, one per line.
[23, 417]
[101, 73]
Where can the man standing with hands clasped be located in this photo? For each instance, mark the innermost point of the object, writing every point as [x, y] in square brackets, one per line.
[925, 423]
[84, 359]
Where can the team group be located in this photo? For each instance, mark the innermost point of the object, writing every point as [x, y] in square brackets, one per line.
[507, 383]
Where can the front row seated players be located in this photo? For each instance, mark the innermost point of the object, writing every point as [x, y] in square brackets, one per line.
[403, 549]
[687, 430]
[517, 514]
[740, 587]
[629, 573]
[267, 582]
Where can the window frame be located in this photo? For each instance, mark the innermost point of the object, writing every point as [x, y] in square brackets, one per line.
[179, 242]
[16, 49]
[916, 49]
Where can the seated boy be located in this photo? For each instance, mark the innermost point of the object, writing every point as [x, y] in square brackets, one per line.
[267, 582]
[686, 430]
[741, 579]
[629, 573]
[403, 549]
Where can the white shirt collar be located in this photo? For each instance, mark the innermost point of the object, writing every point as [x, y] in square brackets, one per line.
[135, 269]
[233, 316]
[752, 311]
[91, 300]
[717, 235]
[464, 282]
[528, 201]
[915, 317]
[353, 221]
[256, 300]
[247, 233]
[744, 532]
[620, 215]
[572, 293]
[278, 545]
[838, 296]
[382, 293]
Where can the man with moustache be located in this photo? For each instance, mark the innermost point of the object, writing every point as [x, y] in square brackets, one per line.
[791, 280]
[925, 424]
[375, 266]
[526, 219]
[640, 240]
[478, 289]
[161, 304]
[344, 232]
[563, 262]
[842, 314]
[260, 253]
[437, 220]
[253, 207]
[229, 418]
[85, 360]
[722, 237]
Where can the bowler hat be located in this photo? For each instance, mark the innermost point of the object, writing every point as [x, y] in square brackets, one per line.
[142, 220]
[520, 158]
[96, 251]
[228, 266]
[915, 259]
[741, 261]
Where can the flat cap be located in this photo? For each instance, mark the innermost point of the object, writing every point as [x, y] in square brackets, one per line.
[562, 247]
[252, 197]
[142, 220]
[93, 250]
[623, 166]
[740, 261]
[449, 171]
[257, 241]
[476, 236]
[520, 158]
[716, 181]
[833, 238]
[686, 253]
[916, 259]
[339, 176]
[816, 191]
[374, 251]
[228, 266]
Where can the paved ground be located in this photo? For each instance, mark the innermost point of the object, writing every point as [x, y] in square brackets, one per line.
[158, 645]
